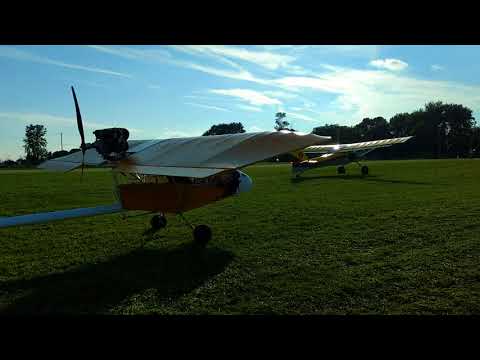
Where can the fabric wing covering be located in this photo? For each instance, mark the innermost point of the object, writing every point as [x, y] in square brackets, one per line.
[72, 161]
[200, 156]
[322, 149]
[207, 155]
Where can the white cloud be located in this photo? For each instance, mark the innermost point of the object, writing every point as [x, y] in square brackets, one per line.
[249, 108]
[389, 64]
[49, 119]
[173, 133]
[266, 59]
[362, 93]
[207, 106]
[436, 67]
[251, 96]
[17, 54]
[152, 54]
[163, 56]
[255, 128]
[281, 94]
[300, 117]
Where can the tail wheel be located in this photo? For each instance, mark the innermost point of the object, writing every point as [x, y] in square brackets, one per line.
[158, 222]
[202, 234]
[364, 170]
[341, 170]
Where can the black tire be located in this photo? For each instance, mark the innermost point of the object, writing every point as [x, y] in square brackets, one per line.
[202, 234]
[364, 170]
[158, 222]
[341, 170]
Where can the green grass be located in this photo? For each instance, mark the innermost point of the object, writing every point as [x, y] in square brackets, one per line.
[405, 240]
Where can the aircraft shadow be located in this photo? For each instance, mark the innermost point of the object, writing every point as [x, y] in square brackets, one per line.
[373, 178]
[96, 288]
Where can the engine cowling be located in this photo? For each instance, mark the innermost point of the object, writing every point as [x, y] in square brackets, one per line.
[245, 182]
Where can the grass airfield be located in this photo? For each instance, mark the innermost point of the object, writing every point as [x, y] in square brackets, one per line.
[404, 240]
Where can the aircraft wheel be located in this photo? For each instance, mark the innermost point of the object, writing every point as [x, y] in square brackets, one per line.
[341, 170]
[364, 170]
[158, 222]
[202, 234]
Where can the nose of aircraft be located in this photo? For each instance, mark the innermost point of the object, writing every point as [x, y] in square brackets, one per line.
[246, 183]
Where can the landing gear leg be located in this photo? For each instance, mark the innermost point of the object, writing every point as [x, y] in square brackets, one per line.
[341, 170]
[202, 234]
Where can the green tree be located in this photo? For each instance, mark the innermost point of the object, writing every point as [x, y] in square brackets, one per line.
[221, 129]
[281, 123]
[338, 133]
[35, 143]
[401, 125]
[373, 129]
[475, 142]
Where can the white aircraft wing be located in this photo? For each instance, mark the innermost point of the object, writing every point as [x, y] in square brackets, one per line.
[204, 156]
[92, 157]
[199, 156]
[367, 145]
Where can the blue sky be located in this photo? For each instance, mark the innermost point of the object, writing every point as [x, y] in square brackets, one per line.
[177, 91]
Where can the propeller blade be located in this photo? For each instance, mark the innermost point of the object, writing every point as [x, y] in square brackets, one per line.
[79, 122]
[83, 164]
[83, 146]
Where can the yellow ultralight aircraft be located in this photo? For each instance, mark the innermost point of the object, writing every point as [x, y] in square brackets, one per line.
[171, 175]
[340, 154]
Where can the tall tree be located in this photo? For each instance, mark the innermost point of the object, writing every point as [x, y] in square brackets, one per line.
[372, 129]
[221, 129]
[401, 125]
[35, 143]
[338, 133]
[281, 123]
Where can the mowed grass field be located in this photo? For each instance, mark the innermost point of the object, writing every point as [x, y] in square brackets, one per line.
[404, 240]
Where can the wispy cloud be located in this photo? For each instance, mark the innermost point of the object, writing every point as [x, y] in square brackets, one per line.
[17, 54]
[152, 54]
[163, 56]
[251, 96]
[173, 133]
[210, 107]
[389, 64]
[49, 119]
[436, 67]
[266, 59]
[362, 93]
[255, 128]
[301, 117]
[281, 94]
[248, 108]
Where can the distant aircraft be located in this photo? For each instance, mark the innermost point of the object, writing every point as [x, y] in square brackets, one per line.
[171, 175]
[341, 154]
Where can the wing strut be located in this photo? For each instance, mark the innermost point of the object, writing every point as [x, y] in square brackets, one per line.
[59, 215]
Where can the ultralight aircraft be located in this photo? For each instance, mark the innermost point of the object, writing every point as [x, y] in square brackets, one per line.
[171, 175]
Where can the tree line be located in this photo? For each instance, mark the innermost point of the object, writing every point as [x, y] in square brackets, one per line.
[440, 131]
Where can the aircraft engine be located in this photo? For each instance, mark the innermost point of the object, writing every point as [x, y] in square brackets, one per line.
[111, 143]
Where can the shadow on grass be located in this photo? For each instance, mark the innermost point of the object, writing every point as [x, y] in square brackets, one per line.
[95, 288]
[372, 178]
